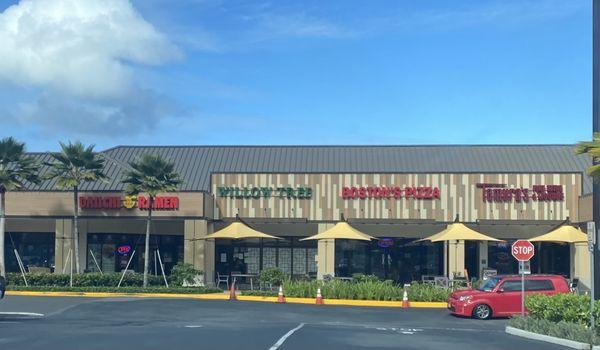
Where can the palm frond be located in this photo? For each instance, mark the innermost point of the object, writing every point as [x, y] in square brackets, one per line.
[75, 164]
[151, 174]
[16, 167]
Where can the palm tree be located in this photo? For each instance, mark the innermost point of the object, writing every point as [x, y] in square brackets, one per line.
[15, 169]
[151, 175]
[592, 149]
[74, 165]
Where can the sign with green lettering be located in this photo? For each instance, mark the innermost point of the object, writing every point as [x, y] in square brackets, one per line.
[265, 192]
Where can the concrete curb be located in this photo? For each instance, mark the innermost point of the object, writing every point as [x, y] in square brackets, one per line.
[221, 296]
[549, 339]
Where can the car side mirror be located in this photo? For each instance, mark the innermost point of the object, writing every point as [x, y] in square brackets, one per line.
[500, 290]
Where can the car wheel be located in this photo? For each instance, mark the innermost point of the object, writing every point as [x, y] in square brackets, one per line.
[482, 312]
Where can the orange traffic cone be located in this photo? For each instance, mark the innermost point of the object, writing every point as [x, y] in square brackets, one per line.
[405, 303]
[232, 296]
[319, 300]
[280, 297]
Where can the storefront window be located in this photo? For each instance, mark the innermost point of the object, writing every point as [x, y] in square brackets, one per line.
[351, 257]
[35, 250]
[500, 258]
[397, 259]
[113, 252]
[291, 255]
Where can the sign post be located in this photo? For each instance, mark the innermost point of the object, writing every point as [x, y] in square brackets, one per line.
[591, 233]
[523, 251]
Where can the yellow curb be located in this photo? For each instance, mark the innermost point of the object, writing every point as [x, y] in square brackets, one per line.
[221, 296]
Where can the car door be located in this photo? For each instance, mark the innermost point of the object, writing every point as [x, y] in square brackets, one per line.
[508, 298]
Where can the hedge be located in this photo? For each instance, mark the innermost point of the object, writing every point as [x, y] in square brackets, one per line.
[361, 289]
[82, 280]
[571, 308]
[561, 329]
[170, 290]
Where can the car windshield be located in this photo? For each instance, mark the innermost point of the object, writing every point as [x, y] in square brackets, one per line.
[489, 285]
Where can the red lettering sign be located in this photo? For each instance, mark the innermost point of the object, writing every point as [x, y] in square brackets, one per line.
[391, 192]
[499, 193]
[114, 202]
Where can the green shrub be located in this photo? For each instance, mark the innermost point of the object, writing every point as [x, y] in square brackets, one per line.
[427, 292]
[361, 277]
[366, 289]
[561, 329]
[184, 273]
[273, 275]
[130, 289]
[82, 280]
[570, 308]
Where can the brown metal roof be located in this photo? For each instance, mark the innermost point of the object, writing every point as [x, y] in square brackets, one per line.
[196, 163]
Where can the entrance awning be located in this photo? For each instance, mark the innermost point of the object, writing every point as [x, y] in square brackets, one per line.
[341, 230]
[238, 230]
[565, 233]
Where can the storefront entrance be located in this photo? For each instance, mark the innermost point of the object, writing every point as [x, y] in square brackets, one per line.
[551, 258]
[397, 259]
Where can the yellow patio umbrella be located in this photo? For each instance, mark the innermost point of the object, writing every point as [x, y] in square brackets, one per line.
[237, 230]
[458, 231]
[565, 233]
[341, 230]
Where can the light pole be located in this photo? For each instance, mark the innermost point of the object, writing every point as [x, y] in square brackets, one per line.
[596, 128]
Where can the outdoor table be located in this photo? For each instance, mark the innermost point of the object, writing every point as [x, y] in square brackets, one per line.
[245, 275]
[344, 278]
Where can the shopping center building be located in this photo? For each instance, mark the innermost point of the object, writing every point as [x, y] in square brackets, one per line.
[398, 194]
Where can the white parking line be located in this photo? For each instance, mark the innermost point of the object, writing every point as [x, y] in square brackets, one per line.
[30, 314]
[194, 326]
[285, 336]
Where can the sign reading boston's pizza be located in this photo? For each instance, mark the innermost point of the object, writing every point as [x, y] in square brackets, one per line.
[391, 192]
[264, 192]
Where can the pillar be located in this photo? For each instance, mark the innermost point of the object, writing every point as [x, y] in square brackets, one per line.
[83, 231]
[456, 258]
[325, 254]
[483, 257]
[580, 264]
[199, 253]
[62, 244]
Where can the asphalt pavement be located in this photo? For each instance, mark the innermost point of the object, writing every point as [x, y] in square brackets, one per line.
[133, 323]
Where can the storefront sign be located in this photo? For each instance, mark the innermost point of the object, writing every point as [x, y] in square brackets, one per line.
[265, 192]
[123, 249]
[385, 242]
[129, 202]
[391, 192]
[501, 193]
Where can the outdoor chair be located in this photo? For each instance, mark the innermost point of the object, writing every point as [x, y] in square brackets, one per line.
[574, 285]
[222, 279]
[441, 282]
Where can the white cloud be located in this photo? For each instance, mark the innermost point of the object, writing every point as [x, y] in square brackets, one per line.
[83, 48]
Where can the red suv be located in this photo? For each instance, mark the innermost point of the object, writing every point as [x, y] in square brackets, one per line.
[501, 295]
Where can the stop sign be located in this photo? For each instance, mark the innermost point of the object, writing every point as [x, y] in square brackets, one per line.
[522, 250]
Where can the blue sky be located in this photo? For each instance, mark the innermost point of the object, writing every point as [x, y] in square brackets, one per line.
[296, 72]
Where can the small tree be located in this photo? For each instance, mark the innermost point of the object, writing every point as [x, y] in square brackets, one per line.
[15, 169]
[74, 165]
[151, 175]
[592, 149]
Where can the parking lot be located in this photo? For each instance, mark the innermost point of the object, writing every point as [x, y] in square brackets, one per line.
[128, 323]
